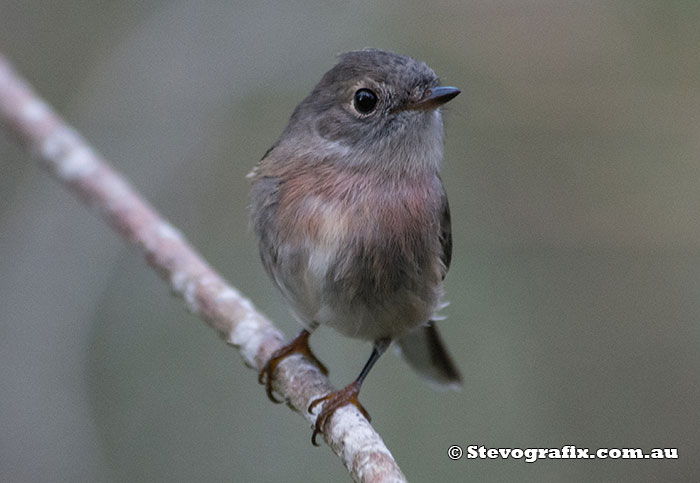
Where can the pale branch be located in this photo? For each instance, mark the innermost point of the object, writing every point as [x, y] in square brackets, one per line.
[71, 161]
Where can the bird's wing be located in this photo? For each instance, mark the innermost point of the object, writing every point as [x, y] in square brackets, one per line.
[445, 234]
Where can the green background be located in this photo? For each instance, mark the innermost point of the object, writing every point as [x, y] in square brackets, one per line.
[572, 162]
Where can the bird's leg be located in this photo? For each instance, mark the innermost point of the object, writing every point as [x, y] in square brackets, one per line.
[300, 345]
[347, 395]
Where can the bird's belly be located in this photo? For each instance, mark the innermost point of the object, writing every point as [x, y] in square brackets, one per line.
[367, 263]
[362, 290]
[391, 317]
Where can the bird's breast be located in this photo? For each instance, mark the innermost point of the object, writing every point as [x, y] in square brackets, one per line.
[364, 236]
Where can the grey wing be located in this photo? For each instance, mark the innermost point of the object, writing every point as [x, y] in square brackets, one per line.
[283, 264]
[264, 195]
[445, 234]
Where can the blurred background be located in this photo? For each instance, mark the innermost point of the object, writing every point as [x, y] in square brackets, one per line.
[572, 162]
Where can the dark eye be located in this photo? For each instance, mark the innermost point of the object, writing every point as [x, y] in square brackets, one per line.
[365, 101]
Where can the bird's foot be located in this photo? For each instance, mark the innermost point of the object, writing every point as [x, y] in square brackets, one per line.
[300, 345]
[332, 402]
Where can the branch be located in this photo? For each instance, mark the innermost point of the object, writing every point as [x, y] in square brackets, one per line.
[71, 161]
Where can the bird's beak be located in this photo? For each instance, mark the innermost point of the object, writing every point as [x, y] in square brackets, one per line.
[434, 98]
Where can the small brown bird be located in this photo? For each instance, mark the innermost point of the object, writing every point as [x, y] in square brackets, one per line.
[352, 219]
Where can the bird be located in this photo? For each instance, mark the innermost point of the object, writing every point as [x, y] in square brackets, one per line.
[352, 219]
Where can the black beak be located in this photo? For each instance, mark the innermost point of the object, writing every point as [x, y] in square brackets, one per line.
[435, 98]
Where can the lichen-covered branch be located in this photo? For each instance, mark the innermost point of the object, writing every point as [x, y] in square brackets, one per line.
[66, 155]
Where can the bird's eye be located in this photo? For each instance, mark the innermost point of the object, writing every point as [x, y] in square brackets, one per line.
[365, 101]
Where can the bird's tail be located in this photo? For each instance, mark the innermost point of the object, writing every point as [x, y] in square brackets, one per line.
[425, 352]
